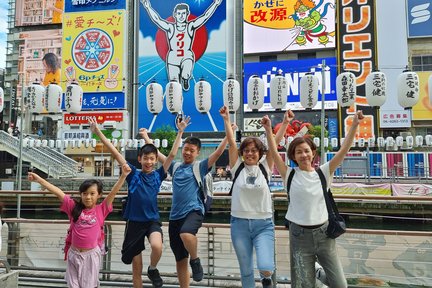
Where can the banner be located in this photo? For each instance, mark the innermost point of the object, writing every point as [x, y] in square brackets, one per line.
[167, 53]
[423, 109]
[290, 25]
[361, 189]
[411, 189]
[357, 54]
[94, 55]
[293, 70]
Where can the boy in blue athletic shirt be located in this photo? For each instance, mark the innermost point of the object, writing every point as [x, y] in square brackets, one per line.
[141, 211]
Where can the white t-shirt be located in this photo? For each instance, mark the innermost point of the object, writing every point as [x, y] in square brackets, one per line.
[251, 197]
[307, 205]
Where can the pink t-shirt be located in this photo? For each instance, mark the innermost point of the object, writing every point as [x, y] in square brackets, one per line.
[86, 231]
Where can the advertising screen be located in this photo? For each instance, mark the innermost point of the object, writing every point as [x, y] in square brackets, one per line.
[290, 25]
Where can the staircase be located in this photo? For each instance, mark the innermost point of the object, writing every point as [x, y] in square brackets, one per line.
[48, 160]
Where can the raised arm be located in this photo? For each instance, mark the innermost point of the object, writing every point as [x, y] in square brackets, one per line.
[143, 133]
[201, 20]
[340, 155]
[232, 150]
[50, 187]
[181, 125]
[288, 117]
[114, 152]
[154, 16]
[273, 152]
[117, 186]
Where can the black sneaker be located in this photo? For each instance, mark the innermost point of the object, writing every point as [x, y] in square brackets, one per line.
[154, 277]
[197, 270]
[266, 282]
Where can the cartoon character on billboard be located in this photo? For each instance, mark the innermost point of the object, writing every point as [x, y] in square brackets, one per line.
[180, 34]
[309, 22]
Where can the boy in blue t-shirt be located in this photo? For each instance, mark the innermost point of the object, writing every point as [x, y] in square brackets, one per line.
[141, 211]
[187, 211]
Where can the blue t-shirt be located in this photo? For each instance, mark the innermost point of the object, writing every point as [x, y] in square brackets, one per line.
[142, 194]
[186, 196]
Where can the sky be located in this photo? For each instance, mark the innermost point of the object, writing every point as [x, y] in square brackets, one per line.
[3, 31]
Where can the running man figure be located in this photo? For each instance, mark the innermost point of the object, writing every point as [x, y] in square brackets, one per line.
[180, 59]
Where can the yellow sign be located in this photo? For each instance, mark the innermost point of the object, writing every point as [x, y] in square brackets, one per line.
[93, 50]
[274, 15]
[423, 109]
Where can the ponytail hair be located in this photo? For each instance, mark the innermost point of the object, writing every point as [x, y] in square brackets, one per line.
[79, 206]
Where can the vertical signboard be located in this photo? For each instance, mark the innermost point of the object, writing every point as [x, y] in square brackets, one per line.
[423, 109]
[94, 52]
[356, 53]
[290, 25]
[182, 41]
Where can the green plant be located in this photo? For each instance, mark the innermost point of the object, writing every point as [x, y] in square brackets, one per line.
[165, 132]
[315, 131]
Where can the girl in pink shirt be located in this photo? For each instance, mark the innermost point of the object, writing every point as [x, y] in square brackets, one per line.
[86, 217]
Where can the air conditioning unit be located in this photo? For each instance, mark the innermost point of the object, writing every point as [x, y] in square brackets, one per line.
[405, 145]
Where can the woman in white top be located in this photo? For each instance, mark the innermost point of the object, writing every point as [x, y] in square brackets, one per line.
[307, 210]
[252, 225]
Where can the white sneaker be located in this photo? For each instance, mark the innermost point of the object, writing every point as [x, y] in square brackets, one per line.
[320, 273]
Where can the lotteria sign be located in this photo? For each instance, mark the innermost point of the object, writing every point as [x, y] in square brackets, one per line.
[293, 70]
[83, 118]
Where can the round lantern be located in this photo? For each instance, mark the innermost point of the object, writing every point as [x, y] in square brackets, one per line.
[53, 95]
[31, 143]
[408, 89]
[122, 143]
[371, 142]
[278, 92]
[428, 140]
[44, 143]
[87, 143]
[309, 91]
[255, 92]
[25, 142]
[156, 142]
[409, 141]
[164, 143]
[316, 141]
[376, 89]
[129, 143]
[93, 143]
[419, 141]
[36, 98]
[51, 143]
[73, 98]
[1, 99]
[202, 96]
[65, 143]
[326, 142]
[174, 97]
[37, 143]
[114, 142]
[231, 94]
[334, 142]
[361, 142]
[154, 95]
[135, 143]
[399, 141]
[58, 144]
[346, 89]
[390, 141]
[141, 142]
[380, 142]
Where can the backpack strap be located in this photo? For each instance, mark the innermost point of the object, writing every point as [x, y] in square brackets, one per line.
[289, 181]
[264, 172]
[236, 174]
[196, 172]
[175, 166]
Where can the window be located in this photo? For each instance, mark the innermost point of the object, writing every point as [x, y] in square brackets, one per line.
[422, 63]
[268, 58]
[302, 56]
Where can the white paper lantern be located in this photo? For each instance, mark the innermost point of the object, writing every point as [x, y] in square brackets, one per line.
[326, 142]
[93, 143]
[35, 94]
[51, 143]
[73, 98]
[31, 143]
[164, 143]
[289, 139]
[399, 141]
[278, 92]
[334, 142]
[25, 142]
[255, 92]
[342, 140]
[154, 95]
[371, 142]
[408, 89]
[37, 143]
[141, 142]
[129, 143]
[202, 92]
[428, 140]
[122, 143]
[174, 97]
[1, 99]
[78, 143]
[135, 143]
[44, 143]
[380, 142]
[316, 141]
[65, 143]
[156, 142]
[309, 91]
[53, 95]
[409, 141]
[58, 144]
[231, 94]
[361, 142]
[114, 142]
[376, 89]
[390, 142]
[346, 89]
[87, 143]
[419, 141]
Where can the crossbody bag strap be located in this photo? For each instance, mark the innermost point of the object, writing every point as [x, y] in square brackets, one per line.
[289, 181]
[331, 205]
[236, 174]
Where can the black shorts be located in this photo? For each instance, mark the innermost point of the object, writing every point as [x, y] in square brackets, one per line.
[190, 224]
[135, 232]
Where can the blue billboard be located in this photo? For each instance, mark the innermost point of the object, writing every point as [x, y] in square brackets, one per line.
[293, 71]
[93, 5]
[167, 52]
[419, 18]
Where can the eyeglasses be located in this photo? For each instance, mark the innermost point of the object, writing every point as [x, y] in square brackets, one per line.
[253, 151]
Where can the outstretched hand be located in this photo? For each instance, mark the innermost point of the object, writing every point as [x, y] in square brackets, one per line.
[266, 122]
[357, 117]
[33, 177]
[224, 112]
[93, 124]
[234, 127]
[126, 169]
[288, 116]
[183, 123]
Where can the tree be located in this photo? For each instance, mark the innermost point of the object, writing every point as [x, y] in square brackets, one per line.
[165, 132]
